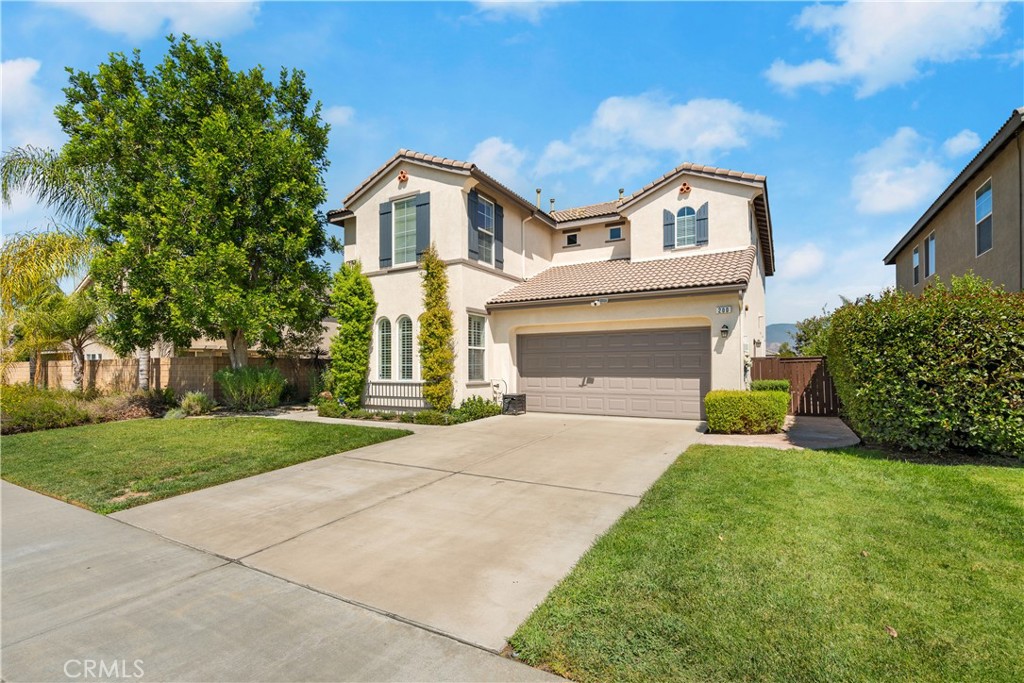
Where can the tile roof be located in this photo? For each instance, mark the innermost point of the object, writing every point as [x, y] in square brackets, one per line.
[601, 278]
[589, 211]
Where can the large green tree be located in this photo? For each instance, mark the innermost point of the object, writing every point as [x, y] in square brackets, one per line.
[437, 334]
[211, 179]
[354, 307]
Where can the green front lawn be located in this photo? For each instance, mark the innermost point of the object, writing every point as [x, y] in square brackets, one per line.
[757, 564]
[117, 465]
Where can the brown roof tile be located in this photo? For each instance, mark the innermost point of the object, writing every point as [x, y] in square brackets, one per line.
[589, 211]
[601, 278]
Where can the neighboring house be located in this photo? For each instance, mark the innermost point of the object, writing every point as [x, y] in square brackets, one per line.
[637, 306]
[976, 223]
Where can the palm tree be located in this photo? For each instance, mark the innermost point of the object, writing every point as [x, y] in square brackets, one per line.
[63, 319]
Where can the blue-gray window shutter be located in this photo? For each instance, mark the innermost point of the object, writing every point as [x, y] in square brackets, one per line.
[422, 223]
[669, 220]
[474, 244]
[385, 235]
[499, 237]
[702, 225]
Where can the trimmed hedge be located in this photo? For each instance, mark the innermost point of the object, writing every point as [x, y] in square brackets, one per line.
[933, 373]
[770, 385]
[746, 412]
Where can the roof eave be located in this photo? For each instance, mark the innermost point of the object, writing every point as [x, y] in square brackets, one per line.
[623, 296]
[1006, 132]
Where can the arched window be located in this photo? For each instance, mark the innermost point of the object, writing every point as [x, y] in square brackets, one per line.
[404, 348]
[686, 227]
[384, 344]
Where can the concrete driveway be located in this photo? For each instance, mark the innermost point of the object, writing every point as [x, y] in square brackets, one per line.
[461, 530]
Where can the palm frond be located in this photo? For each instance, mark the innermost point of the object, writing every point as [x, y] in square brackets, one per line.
[50, 179]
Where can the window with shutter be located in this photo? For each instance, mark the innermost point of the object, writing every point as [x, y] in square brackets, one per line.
[686, 227]
[404, 213]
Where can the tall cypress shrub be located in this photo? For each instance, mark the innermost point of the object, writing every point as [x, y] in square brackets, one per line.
[437, 335]
[354, 307]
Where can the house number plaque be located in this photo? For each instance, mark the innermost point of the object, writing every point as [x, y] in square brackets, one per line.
[724, 309]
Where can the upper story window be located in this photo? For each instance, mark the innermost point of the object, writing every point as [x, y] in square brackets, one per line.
[384, 344]
[929, 255]
[572, 239]
[615, 233]
[686, 227]
[485, 230]
[917, 265]
[476, 345]
[404, 348]
[405, 231]
[983, 218]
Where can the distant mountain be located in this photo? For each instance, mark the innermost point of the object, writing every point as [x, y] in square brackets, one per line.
[778, 333]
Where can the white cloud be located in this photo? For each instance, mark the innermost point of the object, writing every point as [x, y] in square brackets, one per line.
[339, 116]
[27, 114]
[900, 174]
[526, 10]
[138, 20]
[963, 142]
[501, 159]
[803, 262]
[880, 44]
[627, 134]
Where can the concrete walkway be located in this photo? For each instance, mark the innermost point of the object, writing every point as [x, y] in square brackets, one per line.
[80, 590]
[462, 530]
[799, 432]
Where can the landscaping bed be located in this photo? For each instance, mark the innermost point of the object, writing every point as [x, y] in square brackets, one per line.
[759, 564]
[118, 465]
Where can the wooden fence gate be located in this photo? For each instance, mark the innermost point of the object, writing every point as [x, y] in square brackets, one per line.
[811, 390]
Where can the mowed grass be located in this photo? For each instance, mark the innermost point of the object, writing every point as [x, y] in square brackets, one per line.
[117, 465]
[764, 565]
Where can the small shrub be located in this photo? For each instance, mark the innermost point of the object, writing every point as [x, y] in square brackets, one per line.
[432, 417]
[24, 408]
[361, 414]
[331, 409]
[174, 414]
[386, 416]
[770, 385]
[407, 417]
[746, 412]
[251, 388]
[196, 403]
[475, 408]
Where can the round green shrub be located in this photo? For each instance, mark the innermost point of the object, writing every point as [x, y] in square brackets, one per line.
[746, 412]
[196, 403]
[330, 408]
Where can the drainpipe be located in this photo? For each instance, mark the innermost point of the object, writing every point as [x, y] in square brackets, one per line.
[742, 331]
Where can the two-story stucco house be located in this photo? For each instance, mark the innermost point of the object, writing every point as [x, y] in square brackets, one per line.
[637, 306]
[976, 224]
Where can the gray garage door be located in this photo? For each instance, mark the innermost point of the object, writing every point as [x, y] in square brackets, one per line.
[643, 373]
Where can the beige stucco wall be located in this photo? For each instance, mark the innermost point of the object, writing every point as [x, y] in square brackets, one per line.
[954, 229]
[594, 244]
[728, 216]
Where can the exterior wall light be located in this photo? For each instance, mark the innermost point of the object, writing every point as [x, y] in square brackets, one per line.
[725, 331]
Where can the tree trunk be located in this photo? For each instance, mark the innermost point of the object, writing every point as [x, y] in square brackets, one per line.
[238, 348]
[143, 355]
[78, 365]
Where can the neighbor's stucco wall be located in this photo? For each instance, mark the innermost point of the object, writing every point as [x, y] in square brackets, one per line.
[728, 216]
[593, 244]
[954, 230]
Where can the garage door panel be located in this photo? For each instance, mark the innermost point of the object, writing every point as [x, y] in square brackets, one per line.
[659, 373]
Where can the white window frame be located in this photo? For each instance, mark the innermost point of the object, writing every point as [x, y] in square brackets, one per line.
[930, 253]
[482, 347]
[483, 201]
[572, 239]
[611, 236]
[394, 229]
[679, 217]
[402, 349]
[989, 215]
[385, 354]
[915, 265]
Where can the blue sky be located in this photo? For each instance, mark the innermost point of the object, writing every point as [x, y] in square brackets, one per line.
[859, 114]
